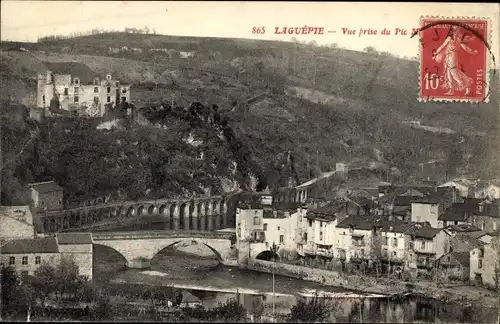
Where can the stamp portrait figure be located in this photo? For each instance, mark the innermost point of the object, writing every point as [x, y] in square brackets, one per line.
[454, 78]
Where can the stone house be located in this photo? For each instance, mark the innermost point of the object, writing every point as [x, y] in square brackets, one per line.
[487, 216]
[487, 189]
[454, 266]
[27, 255]
[427, 246]
[430, 207]
[46, 195]
[355, 239]
[484, 264]
[16, 222]
[456, 214]
[77, 246]
[395, 243]
[74, 87]
[461, 185]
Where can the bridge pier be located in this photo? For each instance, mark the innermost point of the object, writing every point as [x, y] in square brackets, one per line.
[210, 223]
[202, 222]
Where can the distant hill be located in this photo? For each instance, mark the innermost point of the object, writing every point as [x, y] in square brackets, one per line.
[324, 105]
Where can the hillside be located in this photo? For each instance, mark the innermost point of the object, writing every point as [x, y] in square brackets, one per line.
[323, 105]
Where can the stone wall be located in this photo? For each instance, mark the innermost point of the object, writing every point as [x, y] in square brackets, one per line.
[326, 277]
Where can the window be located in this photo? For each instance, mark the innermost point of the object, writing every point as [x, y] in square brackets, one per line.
[321, 236]
[76, 99]
[65, 91]
[12, 260]
[494, 225]
[76, 90]
[394, 253]
[305, 237]
[480, 264]
[278, 228]
[25, 260]
[256, 220]
[109, 89]
[310, 223]
[38, 260]
[124, 90]
[422, 245]
[386, 240]
[117, 83]
[265, 226]
[96, 89]
[394, 241]
[96, 100]
[76, 81]
[109, 99]
[282, 239]
[96, 82]
[456, 222]
[43, 100]
[124, 99]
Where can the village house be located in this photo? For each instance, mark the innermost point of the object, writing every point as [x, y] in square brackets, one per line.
[16, 222]
[453, 266]
[77, 246]
[46, 195]
[487, 189]
[355, 239]
[319, 231]
[74, 87]
[429, 244]
[487, 216]
[260, 224]
[394, 245]
[430, 207]
[484, 268]
[27, 255]
[456, 214]
[461, 185]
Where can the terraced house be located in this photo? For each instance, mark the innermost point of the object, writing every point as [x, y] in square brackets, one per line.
[75, 88]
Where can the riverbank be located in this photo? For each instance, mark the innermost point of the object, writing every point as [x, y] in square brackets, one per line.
[462, 294]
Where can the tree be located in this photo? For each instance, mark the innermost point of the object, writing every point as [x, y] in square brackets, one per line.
[370, 49]
[44, 282]
[310, 311]
[17, 294]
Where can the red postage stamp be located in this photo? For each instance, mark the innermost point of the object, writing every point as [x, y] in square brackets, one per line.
[454, 58]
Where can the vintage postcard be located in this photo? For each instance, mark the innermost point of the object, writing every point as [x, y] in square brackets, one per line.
[203, 161]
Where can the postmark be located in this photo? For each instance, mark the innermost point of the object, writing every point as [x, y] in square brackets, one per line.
[454, 59]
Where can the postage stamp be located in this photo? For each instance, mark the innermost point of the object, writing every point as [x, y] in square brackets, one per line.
[454, 59]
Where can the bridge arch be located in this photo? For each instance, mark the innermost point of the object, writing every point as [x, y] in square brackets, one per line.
[141, 210]
[135, 245]
[192, 241]
[131, 212]
[182, 215]
[152, 210]
[267, 255]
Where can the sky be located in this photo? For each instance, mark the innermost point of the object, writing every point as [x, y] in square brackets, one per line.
[28, 20]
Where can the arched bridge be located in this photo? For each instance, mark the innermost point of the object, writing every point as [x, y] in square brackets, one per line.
[140, 246]
[204, 214]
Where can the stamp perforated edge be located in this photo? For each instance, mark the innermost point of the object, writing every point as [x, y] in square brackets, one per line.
[489, 62]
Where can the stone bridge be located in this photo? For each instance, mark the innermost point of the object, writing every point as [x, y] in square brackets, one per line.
[209, 213]
[138, 248]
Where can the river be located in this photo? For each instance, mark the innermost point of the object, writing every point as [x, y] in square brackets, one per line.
[196, 270]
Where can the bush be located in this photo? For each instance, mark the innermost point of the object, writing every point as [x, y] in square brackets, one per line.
[314, 310]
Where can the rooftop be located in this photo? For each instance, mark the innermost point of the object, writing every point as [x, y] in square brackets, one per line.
[329, 211]
[367, 222]
[427, 232]
[75, 69]
[74, 238]
[45, 187]
[461, 257]
[457, 212]
[24, 246]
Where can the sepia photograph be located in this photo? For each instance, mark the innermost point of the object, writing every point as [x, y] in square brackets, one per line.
[244, 161]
